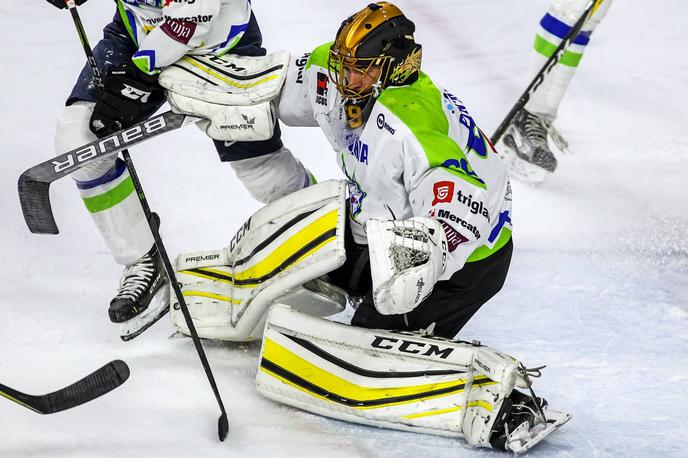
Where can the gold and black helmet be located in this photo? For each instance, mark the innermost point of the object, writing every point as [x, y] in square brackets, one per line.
[378, 42]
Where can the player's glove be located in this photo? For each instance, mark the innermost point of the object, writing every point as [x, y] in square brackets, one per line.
[62, 4]
[128, 92]
[407, 258]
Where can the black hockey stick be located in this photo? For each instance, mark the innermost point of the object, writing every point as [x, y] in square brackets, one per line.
[546, 68]
[223, 421]
[102, 381]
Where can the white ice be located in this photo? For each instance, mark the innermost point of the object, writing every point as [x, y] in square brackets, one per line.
[598, 288]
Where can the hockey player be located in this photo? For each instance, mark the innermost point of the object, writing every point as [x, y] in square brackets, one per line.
[144, 37]
[430, 206]
[527, 136]
[430, 200]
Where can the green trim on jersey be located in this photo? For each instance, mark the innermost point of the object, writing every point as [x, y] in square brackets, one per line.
[319, 56]
[110, 198]
[125, 19]
[419, 107]
[546, 48]
[484, 251]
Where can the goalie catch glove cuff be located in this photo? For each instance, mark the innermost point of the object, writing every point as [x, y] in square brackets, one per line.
[127, 94]
[62, 4]
[406, 259]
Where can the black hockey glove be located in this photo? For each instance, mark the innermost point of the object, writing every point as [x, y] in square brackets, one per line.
[62, 5]
[127, 94]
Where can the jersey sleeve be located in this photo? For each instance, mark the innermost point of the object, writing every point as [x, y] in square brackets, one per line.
[295, 108]
[184, 27]
[460, 207]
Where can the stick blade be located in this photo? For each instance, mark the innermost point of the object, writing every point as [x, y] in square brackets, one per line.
[100, 382]
[34, 196]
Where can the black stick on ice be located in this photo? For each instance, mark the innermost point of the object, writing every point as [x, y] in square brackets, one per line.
[540, 77]
[102, 381]
[223, 421]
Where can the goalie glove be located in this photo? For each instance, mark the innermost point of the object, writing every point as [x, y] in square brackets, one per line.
[406, 259]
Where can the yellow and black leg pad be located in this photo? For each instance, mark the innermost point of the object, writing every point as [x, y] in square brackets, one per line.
[396, 380]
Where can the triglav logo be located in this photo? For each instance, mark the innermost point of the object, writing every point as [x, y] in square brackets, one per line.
[477, 207]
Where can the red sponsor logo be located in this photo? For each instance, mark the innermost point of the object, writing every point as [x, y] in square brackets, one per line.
[454, 237]
[444, 192]
[179, 30]
[321, 87]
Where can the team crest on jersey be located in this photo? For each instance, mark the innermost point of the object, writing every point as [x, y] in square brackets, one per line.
[356, 197]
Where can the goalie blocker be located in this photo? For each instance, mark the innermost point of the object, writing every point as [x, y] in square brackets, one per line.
[400, 380]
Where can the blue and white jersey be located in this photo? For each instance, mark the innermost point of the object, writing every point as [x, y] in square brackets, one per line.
[166, 30]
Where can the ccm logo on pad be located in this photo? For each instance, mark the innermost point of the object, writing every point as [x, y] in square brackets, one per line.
[444, 192]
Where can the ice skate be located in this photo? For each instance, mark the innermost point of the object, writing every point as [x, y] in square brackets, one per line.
[520, 424]
[143, 297]
[526, 150]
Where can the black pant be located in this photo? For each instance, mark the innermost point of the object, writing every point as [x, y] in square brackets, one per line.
[450, 305]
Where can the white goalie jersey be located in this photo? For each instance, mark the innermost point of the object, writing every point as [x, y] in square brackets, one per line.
[419, 154]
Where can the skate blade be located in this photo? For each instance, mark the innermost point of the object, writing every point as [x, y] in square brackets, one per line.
[158, 307]
[522, 441]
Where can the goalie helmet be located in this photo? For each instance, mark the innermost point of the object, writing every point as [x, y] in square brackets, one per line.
[374, 49]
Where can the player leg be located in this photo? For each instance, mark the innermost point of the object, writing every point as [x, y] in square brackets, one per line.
[529, 132]
[106, 186]
[267, 168]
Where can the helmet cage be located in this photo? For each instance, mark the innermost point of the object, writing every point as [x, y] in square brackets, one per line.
[341, 67]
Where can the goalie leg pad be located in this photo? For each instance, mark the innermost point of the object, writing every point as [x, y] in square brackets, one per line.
[282, 246]
[395, 380]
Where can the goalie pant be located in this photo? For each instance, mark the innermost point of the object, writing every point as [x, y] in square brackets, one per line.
[448, 308]
[267, 169]
[553, 27]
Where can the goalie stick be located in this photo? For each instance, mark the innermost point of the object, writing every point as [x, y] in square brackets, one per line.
[94, 385]
[544, 71]
[36, 185]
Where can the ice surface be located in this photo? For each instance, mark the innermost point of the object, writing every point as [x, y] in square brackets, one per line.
[598, 288]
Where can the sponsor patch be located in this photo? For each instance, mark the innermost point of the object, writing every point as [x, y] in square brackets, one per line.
[382, 124]
[476, 207]
[179, 30]
[444, 192]
[454, 237]
[321, 89]
[301, 65]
